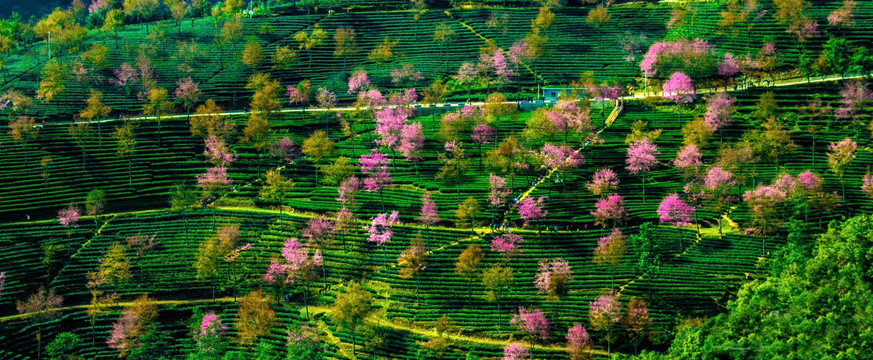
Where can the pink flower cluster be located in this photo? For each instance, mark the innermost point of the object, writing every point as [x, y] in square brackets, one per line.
[516, 351]
[530, 209]
[347, 190]
[867, 184]
[662, 51]
[428, 214]
[211, 325]
[674, 210]
[498, 192]
[482, 133]
[296, 259]
[609, 209]
[679, 88]
[531, 321]
[407, 72]
[375, 166]
[509, 244]
[217, 152]
[603, 181]
[69, 216]
[557, 268]
[380, 228]
[688, 158]
[641, 156]
[719, 111]
[358, 80]
[606, 307]
[562, 157]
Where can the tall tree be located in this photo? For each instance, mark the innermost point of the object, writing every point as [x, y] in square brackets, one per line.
[140, 244]
[158, 106]
[468, 266]
[412, 263]
[25, 131]
[428, 216]
[318, 147]
[468, 213]
[311, 40]
[610, 250]
[95, 202]
[346, 45]
[604, 314]
[351, 309]
[496, 280]
[641, 159]
[255, 318]
[41, 306]
[96, 110]
[674, 210]
[125, 146]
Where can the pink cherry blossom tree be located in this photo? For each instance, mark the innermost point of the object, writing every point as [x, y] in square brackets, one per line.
[124, 77]
[843, 16]
[729, 66]
[498, 193]
[214, 184]
[509, 245]
[295, 266]
[212, 332]
[719, 112]
[688, 160]
[188, 92]
[428, 216]
[375, 166]
[411, 144]
[358, 81]
[217, 152]
[299, 95]
[839, 155]
[381, 230]
[568, 116]
[531, 321]
[319, 234]
[674, 210]
[604, 314]
[717, 186]
[603, 182]
[636, 320]
[679, 88]
[516, 351]
[531, 210]
[552, 280]
[406, 73]
[561, 158]
[389, 126]
[855, 96]
[466, 76]
[867, 184]
[641, 159]
[609, 211]
[578, 342]
[347, 189]
[482, 134]
[69, 216]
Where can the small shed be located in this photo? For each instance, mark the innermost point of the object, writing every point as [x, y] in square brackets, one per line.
[552, 93]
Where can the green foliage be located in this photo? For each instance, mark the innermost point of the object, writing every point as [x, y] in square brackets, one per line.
[813, 308]
[63, 346]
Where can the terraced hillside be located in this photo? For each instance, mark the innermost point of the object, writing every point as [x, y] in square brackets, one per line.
[414, 196]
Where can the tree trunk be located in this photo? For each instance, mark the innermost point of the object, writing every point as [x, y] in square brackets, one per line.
[305, 299]
[129, 172]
